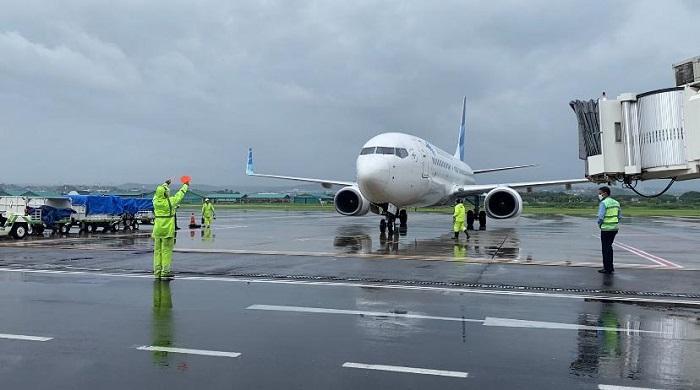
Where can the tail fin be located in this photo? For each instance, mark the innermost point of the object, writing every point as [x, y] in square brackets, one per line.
[249, 169]
[462, 132]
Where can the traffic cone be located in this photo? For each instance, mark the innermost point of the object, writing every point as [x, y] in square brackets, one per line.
[193, 222]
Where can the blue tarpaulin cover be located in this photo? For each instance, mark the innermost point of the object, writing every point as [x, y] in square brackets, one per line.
[99, 204]
[51, 215]
[134, 205]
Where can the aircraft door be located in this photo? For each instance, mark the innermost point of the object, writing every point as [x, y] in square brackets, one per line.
[425, 165]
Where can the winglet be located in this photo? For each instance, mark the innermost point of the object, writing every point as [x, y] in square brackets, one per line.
[249, 169]
[462, 132]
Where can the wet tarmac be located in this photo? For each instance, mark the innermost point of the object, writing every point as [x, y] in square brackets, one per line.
[127, 331]
[315, 301]
[656, 243]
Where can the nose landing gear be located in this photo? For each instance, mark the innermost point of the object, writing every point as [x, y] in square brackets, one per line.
[388, 224]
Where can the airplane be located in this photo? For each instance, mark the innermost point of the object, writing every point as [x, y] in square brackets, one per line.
[396, 171]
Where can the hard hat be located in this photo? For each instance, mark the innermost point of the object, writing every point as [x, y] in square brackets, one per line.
[206, 199]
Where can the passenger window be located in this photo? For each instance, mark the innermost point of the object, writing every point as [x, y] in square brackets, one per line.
[367, 151]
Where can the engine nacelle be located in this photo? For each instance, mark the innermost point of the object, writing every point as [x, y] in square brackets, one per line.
[349, 201]
[503, 203]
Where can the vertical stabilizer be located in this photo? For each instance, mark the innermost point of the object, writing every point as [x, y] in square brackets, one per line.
[462, 132]
[249, 168]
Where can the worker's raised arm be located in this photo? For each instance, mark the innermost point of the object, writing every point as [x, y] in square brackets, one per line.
[179, 195]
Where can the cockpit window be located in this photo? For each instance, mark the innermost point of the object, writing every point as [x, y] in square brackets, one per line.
[401, 152]
[367, 150]
[384, 150]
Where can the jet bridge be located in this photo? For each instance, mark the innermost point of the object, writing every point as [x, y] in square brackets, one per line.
[643, 136]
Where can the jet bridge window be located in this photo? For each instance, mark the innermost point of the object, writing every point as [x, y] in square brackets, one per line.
[401, 152]
[367, 150]
[385, 150]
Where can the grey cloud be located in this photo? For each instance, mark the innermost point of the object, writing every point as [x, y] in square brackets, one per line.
[143, 90]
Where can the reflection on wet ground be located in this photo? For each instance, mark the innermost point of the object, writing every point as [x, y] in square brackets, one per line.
[162, 321]
[665, 356]
[98, 321]
[555, 240]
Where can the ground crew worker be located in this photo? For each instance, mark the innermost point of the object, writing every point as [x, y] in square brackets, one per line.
[608, 220]
[458, 219]
[163, 234]
[207, 212]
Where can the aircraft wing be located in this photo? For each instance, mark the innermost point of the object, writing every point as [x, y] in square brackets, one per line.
[250, 171]
[478, 171]
[480, 188]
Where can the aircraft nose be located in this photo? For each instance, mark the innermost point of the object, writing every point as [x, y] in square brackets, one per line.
[373, 178]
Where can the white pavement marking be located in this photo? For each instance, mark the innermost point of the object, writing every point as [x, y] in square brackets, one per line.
[645, 255]
[23, 337]
[188, 351]
[613, 387]
[651, 257]
[511, 323]
[319, 310]
[228, 227]
[531, 294]
[410, 370]
[489, 321]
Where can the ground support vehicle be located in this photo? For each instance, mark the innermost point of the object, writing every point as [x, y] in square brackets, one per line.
[16, 226]
[93, 212]
[136, 211]
[21, 216]
[54, 214]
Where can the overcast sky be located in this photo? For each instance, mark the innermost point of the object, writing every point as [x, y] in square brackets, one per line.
[136, 91]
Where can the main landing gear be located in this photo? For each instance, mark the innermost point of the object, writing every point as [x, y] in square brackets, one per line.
[473, 215]
[388, 224]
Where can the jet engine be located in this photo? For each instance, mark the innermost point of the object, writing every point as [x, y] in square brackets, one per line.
[503, 203]
[349, 201]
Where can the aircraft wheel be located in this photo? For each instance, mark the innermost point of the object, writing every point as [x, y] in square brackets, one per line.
[482, 220]
[403, 218]
[382, 226]
[470, 220]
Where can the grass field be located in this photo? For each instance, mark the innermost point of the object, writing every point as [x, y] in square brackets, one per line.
[626, 211]
[262, 206]
[584, 212]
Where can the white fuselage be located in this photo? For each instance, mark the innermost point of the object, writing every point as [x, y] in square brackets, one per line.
[408, 171]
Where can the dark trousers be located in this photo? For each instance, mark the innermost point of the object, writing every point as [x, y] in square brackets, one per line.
[607, 237]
